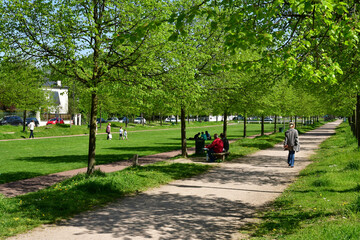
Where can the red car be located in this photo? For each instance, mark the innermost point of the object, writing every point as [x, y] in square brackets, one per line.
[55, 121]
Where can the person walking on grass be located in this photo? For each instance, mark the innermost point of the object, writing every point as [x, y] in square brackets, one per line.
[291, 143]
[125, 134]
[31, 127]
[121, 134]
[108, 131]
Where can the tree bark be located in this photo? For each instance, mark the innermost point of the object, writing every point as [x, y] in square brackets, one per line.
[92, 137]
[225, 123]
[357, 127]
[183, 133]
[245, 121]
[275, 124]
[262, 126]
[24, 120]
[295, 121]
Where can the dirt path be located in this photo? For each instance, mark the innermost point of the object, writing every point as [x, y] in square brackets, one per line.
[211, 206]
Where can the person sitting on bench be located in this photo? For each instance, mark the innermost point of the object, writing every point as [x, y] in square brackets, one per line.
[225, 142]
[215, 147]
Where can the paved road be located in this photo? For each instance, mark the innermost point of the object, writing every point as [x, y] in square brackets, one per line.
[211, 206]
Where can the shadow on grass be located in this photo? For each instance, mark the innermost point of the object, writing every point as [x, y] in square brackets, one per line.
[177, 170]
[14, 176]
[100, 158]
[286, 223]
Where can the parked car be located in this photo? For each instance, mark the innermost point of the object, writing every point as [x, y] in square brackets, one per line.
[170, 119]
[268, 119]
[124, 120]
[238, 118]
[55, 121]
[113, 119]
[98, 120]
[28, 120]
[139, 120]
[12, 120]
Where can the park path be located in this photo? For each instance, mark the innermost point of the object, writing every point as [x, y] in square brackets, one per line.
[210, 206]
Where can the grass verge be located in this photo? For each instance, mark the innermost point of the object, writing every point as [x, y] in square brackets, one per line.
[324, 203]
[82, 193]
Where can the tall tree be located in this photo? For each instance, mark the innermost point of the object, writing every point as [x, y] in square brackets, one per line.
[111, 38]
[21, 86]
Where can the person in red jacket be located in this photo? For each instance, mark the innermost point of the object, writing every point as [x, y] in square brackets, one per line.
[215, 147]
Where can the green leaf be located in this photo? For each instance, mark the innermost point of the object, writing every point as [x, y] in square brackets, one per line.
[174, 37]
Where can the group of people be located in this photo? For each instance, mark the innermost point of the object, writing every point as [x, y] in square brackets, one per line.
[202, 135]
[122, 133]
[217, 146]
[291, 143]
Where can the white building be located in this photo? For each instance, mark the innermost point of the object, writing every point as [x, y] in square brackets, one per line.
[59, 95]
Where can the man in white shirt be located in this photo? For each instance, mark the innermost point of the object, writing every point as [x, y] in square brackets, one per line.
[31, 127]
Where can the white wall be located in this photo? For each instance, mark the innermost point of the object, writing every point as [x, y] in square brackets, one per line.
[64, 100]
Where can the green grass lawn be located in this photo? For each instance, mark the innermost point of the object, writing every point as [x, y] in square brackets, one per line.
[324, 203]
[15, 132]
[29, 158]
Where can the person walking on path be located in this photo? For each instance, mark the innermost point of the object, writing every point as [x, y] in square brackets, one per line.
[31, 127]
[291, 143]
[108, 131]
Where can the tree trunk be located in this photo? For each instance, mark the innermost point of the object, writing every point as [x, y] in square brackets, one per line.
[183, 133]
[225, 123]
[245, 121]
[275, 124]
[295, 121]
[357, 127]
[100, 118]
[92, 137]
[24, 122]
[160, 116]
[262, 126]
[353, 122]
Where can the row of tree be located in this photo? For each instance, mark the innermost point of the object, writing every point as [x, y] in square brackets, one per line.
[191, 57]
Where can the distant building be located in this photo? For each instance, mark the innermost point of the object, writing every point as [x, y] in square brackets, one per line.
[59, 95]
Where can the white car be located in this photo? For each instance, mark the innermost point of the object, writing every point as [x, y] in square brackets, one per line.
[170, 119]
[113, 119]
[139, 120]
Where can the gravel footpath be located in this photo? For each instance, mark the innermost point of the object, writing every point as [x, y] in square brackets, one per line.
[211, 206]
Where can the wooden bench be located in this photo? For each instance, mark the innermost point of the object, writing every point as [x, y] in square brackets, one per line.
[221, 155]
